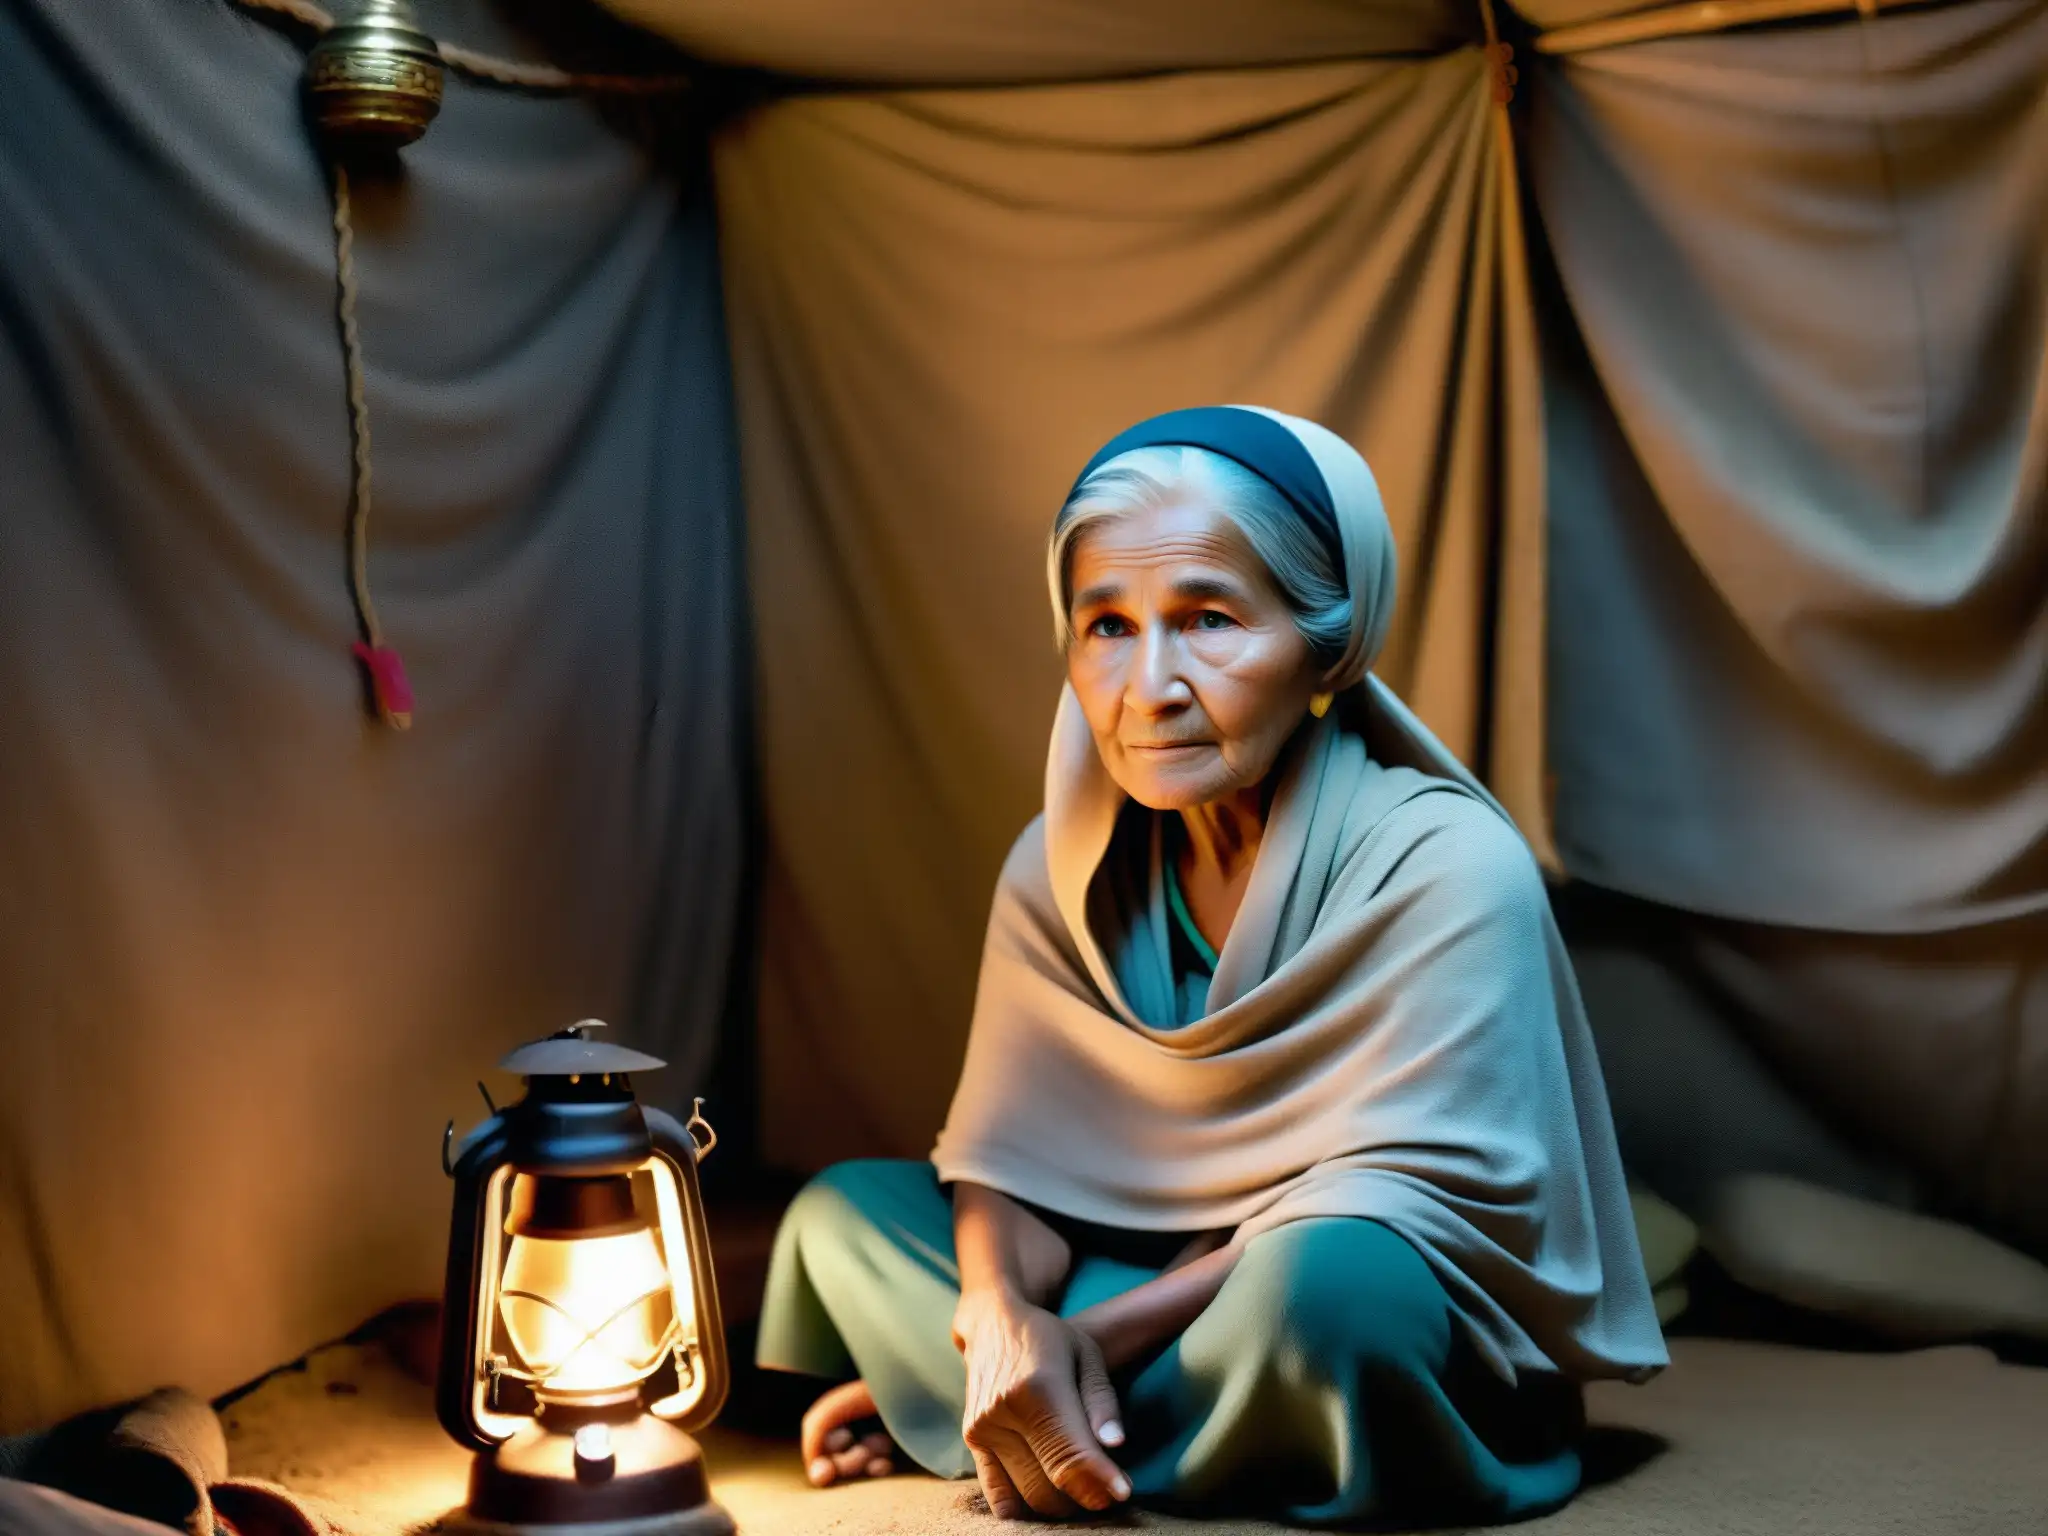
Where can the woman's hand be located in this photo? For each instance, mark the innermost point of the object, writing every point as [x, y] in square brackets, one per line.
[1039, 1409]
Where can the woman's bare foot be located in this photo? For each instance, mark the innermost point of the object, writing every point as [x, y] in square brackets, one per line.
[832, 1454]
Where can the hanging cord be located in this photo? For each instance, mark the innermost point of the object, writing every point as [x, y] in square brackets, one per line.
[1500, 58]
[388, 681]
[1693, 18]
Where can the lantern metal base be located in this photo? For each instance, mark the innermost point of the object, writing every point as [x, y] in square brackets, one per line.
[533, 1485]
[704, 1520]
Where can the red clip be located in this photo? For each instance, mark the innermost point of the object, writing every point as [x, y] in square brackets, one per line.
[388, 682]
[1501, 72]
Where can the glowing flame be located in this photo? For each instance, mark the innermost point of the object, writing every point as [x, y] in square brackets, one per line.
[588, 1314]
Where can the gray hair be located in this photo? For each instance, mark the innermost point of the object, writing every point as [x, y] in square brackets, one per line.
[1148, 478]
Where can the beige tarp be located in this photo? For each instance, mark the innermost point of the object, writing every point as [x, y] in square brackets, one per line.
[1008, 42]
[1797, 411]
[1799, 495]
[941, 303]
[1794, 499]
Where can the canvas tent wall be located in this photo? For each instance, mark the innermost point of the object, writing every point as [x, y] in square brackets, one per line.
[256, 949]
[1735, 587]
[1704, 379]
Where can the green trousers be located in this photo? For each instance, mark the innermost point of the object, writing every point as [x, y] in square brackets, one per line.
[1329, 1382]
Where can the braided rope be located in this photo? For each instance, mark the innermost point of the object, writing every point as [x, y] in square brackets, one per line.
[388, 685]
[358, 408]
[545, 77]
[302, 11]
[1500, 58]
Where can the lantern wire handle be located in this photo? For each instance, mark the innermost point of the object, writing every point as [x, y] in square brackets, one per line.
[697, 1123]
[447, 1142]
[488, 1102]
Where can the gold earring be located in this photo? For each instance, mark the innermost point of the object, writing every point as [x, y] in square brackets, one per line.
[1319, 704]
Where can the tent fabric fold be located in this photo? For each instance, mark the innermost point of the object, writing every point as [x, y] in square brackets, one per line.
[1733, 581]
[1798, 485]
[1010, 42]
[941, 301]
[255, 949]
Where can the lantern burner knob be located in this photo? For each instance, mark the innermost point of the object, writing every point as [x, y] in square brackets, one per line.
[595, 1459]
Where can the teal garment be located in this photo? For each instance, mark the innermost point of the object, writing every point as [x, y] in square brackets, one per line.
[1141, 908]
[1194, 956]
[1330, 1382]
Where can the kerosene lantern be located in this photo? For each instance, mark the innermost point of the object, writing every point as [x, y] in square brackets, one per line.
[580, 1335]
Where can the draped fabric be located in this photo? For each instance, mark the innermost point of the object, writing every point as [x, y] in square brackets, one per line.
[1757, 543]
[1799, 468]
[256, 948]
[941, 302]
[1011, 42]
[1796, 391]
[1744, 579]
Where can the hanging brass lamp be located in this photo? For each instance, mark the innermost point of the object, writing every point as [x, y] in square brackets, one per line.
[373, 80]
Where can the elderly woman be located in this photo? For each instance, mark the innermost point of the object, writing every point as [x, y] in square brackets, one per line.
[1280, 1173]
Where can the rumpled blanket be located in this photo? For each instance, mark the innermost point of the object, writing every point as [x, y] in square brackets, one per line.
[134, 1469]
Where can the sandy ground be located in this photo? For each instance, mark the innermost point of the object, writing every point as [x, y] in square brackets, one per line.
[1735, 1440]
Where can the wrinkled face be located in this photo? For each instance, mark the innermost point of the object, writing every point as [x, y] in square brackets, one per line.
[1185, 658]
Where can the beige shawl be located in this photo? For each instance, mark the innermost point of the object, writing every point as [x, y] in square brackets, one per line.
[1392, 1030]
